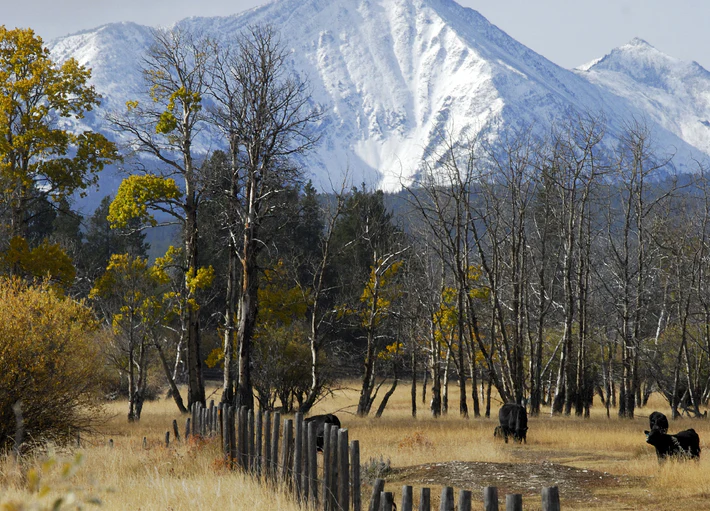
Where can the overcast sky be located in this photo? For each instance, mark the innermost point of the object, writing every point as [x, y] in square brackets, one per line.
[568, 32]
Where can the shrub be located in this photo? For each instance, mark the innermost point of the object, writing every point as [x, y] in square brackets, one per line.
[375, 468]
[49, 363]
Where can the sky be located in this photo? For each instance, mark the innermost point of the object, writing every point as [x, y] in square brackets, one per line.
[567, 32]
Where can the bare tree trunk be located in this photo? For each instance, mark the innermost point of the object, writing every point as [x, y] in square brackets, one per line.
[174, 390]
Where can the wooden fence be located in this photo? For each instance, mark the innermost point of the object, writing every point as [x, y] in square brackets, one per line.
[285, 453]
[384, 501]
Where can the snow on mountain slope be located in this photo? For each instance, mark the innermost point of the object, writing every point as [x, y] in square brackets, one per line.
[673, 93]
[394, 76]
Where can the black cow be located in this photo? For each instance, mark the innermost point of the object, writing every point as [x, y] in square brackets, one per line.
[320, 421]
[513, 421]
[685, 444]
[658, 421]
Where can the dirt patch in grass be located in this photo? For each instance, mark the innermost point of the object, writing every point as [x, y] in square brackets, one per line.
[578, 487]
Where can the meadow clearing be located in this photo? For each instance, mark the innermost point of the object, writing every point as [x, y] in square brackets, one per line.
[598, 463]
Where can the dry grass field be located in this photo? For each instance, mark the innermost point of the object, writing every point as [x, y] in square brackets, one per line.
[597, 463]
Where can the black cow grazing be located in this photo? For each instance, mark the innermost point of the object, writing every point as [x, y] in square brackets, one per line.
[513, 422]
[658, 421]
[685, 444]
[320, 421]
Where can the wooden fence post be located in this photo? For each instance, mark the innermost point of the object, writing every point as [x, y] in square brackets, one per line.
[464, 500]
[298, 455]
[490, 498]
[275, 445]
[232, 437]
[225, 434]
[266, 460]
[286, 452]
[425, 500]
[242, 437]
[386, 501]
[312, 465]
[259, 444]
[377, 489]
[167, 439]
[355, 475]
[343, 471]
[514, 502]
[176, 431]
[334, 469]
[447, 499]
[327, 467]
[250, 441]
[305, 471]
[407, 498]
[551, 499]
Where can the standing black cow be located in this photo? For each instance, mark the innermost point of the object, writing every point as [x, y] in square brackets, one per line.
[513, 420]
[658, 421]
[320, 421]
[685, 444]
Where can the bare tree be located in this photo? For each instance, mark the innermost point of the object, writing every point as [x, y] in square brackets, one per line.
[264, 111]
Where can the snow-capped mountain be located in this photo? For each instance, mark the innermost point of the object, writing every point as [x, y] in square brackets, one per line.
[671, 93]
[393, 76]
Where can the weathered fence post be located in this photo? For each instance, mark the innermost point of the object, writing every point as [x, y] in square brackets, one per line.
[425, 500]
[250, 441]
[286, 452]
[343, 471]
[275, 446]
[193, 415]
[167, 439]
[514, 502]
[312, 465]
[242, 443]
[490, 498]
[266, 460]
[305, 471]
[176, 431]
[225, 434]
[298, 455]
[232, 437]
[259, 444]
[355, 475]
[551, 499]
[464, 500]
[377, 489]
[327, 467]
[334, 467]
[386, 501]
[447, 499]
[407, 498]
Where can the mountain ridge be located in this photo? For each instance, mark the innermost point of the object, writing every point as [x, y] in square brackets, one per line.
[393, 75]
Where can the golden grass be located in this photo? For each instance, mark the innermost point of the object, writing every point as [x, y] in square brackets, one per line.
[191, 477]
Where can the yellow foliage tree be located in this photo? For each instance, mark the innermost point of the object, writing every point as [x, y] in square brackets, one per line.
[36, 152]
[47, 260]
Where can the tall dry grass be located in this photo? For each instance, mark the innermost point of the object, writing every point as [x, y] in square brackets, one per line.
[192, 477]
